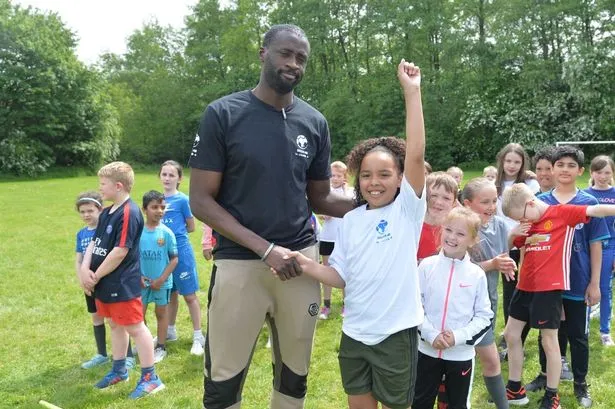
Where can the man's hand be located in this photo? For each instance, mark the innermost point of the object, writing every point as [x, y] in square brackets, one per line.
[409, 76]
[592, 294]
[207, 253]
[284, 267]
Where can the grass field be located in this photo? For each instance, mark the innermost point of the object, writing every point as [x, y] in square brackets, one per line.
[46, 333]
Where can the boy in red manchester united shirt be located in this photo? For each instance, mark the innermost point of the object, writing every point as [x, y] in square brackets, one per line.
[544, 274]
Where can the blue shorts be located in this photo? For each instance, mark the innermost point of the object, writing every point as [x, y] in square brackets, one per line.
[158, 297]
[185, 277]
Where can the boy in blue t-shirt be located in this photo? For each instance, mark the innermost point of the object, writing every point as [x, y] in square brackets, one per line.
[585, 267]
[158, 256]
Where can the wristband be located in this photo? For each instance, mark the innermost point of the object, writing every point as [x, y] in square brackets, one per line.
[271, 246]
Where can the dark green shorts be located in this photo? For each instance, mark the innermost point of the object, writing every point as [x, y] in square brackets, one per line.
[387, 369]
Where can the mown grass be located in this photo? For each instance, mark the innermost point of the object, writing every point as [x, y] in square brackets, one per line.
[46, 333]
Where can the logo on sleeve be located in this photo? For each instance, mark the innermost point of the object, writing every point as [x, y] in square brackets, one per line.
[302, 145]
[195, 145]
[381, 232]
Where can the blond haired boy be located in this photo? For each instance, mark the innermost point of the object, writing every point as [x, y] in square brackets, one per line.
[111, 271]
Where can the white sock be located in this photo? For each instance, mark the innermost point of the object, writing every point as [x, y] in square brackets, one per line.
[171, 328]
[197, 334]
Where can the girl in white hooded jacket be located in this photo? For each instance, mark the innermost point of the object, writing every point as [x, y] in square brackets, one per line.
[457, 314]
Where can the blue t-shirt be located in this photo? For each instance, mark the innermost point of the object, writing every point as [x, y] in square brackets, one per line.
[157, 247]
[606, 197]
[122, 228]
[84, 237]
[584, 234]
[175, 215]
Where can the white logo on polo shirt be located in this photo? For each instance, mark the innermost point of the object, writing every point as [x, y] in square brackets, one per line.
[302, 144]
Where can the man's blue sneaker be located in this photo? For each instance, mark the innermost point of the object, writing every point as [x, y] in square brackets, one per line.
[111, 379]
[147, 385]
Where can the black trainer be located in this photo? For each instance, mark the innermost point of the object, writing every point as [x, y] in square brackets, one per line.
[581, 392]
[538, 384]
[550, 402]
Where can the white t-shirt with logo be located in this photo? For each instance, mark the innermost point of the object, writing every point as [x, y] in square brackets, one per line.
[332, 225]
[375, 254]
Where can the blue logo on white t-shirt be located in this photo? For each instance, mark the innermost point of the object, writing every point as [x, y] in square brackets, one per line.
[381, 229]
[382, 226]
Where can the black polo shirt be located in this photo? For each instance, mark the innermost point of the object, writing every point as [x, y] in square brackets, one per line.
[122, 228]
[266, 157]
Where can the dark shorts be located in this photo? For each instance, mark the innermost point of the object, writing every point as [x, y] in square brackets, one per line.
[90, 301]
[539, 309]
[326, 248]
[387, 369]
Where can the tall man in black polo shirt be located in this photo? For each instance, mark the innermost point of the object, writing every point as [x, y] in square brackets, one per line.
[260, 165]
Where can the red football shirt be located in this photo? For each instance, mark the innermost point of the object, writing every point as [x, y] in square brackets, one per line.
[429, 243]
[546, 264]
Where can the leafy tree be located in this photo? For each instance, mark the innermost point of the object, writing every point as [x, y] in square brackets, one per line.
[51, 108]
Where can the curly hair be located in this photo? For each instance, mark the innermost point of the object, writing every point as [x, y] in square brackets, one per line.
[392, 145]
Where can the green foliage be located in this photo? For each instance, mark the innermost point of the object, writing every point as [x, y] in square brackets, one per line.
[51, 110]
[494, 71]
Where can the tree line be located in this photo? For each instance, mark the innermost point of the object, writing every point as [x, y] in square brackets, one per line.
[494, 71]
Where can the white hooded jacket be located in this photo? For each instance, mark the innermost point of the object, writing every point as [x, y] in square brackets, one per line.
[455, 297]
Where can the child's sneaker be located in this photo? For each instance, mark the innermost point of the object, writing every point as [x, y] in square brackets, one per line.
[566, 374]
[343, 312]
[159, 354]
[606, 339]
[111, 379]
[147, 385]
[324, 313]
[171, 334]
[197, 346]
[539, 383]
[550, 402]
[581, 392]
[131, 362]
[268, 344]
[518, 398]
[96, 360]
